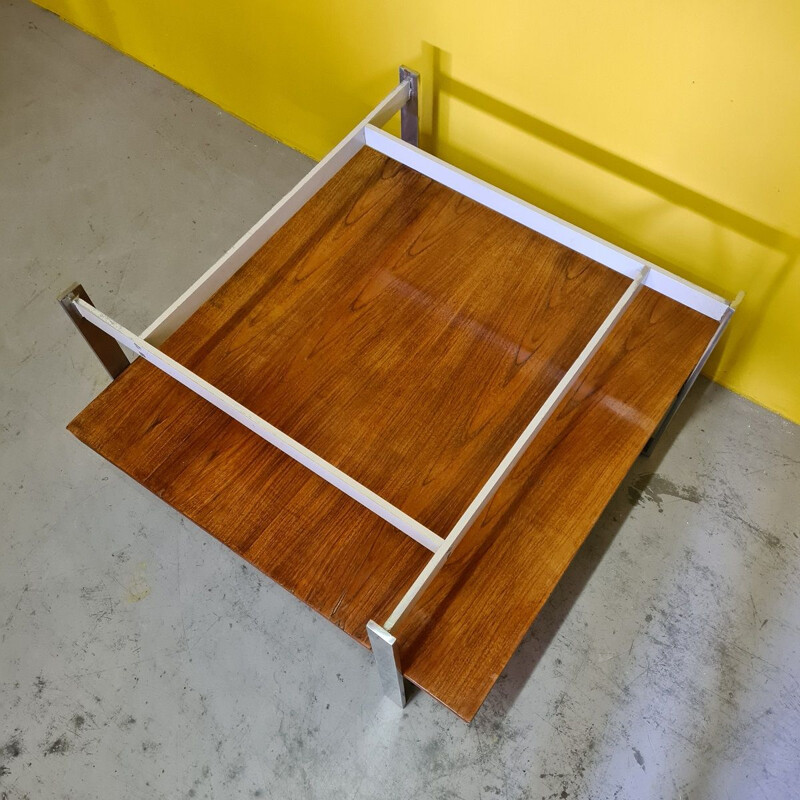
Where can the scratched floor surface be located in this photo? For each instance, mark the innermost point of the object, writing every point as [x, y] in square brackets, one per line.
[141, 659]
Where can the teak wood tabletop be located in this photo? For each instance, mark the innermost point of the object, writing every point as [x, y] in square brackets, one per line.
[407, 335]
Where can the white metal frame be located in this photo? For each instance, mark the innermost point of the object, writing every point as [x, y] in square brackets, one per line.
[367, 133]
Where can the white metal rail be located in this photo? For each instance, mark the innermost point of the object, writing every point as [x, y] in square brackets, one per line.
[605, 253]
[216, 275]
[264, 429]
[382, 640]
[516, 452]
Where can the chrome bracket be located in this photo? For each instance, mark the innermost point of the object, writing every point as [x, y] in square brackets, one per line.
[105, 347]
[409, 113]
[693, 376]
[387, 660]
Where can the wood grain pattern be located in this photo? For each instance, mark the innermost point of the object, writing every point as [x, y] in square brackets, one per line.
[464, 628]
[322, 546]
[407, 335]
[400, 331]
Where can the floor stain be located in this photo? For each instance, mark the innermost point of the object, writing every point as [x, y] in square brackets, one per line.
[58, 748]
[653, 487]
[639, 759]
[137, 588]
[11, 749]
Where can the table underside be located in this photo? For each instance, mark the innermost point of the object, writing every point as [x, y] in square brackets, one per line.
[407, 335]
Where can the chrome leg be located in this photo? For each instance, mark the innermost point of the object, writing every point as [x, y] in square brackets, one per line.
[105, 347]
[387, 659]
[409, 113]
[681, 396]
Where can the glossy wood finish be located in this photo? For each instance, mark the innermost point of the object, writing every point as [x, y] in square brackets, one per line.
[403, 333]
[407, 335]
[462, 631]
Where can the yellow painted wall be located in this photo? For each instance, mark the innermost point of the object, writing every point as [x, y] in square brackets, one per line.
[670, 128]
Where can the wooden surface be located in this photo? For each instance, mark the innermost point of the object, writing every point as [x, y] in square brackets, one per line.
[401, 332]
[407, 335]
[468, 623]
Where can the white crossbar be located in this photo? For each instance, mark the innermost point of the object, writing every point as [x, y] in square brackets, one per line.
[273, 220]
[514, 454]
[394, 516]
[530, 216]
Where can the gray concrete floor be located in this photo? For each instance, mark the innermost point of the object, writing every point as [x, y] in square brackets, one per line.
[141, 659]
